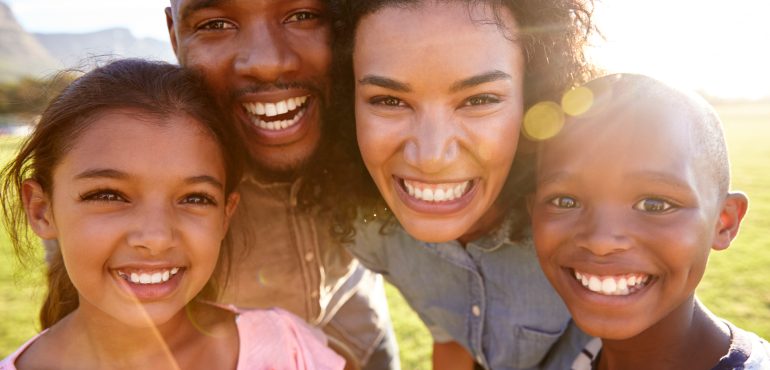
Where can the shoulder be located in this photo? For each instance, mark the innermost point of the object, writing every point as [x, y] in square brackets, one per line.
[747, 351]
[278, 338]
[9, 363]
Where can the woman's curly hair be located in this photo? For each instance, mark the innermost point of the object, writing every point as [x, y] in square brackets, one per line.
[553, 35]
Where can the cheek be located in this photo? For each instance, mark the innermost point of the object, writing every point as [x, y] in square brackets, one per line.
[496, 143]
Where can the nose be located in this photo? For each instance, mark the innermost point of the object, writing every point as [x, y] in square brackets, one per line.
[153, 229]
[265, 53]
[434, 143]
[603, 231]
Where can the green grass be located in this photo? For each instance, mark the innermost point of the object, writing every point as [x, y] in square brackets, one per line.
[733, 287]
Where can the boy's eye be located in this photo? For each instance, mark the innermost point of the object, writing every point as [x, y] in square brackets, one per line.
[654, 205]
[103, 196]
[564, 202]
[387, 101]
[216, 24]
[302, 16]
[481, 100]
[199, 199]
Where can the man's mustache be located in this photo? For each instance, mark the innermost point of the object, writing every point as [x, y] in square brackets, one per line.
[314, 87]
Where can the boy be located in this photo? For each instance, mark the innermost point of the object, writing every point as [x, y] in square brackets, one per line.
[630, 198]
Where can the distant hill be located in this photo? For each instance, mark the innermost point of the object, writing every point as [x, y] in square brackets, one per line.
[73, 50]
[25, 54]
[20, 52]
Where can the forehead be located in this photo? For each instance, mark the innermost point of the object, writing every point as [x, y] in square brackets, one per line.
[644, 136]
[185, 8]
[423, 38]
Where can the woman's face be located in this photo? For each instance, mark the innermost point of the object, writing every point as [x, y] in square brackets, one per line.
[438, 108]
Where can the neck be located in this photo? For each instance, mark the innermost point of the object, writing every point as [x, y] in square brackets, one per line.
[98, 337]
[670, 343]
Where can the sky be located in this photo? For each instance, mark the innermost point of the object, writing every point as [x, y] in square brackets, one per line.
[721, 48]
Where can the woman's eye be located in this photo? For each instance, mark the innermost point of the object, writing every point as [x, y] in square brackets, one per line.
[481, 100]
[103, 196]
[302, 16]
[387, 101]
[217, 24]
[654, 205]
[564, 202]
[199, 199]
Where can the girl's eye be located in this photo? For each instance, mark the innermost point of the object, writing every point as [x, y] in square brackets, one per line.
[481, 100]
[653, 205]
[302, 16]
[103, 196]
[216, 25]
[388, 101]
[564, 202]
[199, 199]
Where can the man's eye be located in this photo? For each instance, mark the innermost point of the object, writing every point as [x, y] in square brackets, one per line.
[481, 100]
[217, 24]
[387, 101]
[199, 199]
[103, 196]
[302, 16]
[654, 205]
[564, 202]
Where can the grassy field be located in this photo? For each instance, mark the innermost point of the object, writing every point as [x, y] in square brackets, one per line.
[733, 286]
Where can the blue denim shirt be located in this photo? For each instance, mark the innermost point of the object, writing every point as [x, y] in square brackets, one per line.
[491, 297]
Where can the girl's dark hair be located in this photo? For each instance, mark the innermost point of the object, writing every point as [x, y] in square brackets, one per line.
[149, 89]
[552, 34]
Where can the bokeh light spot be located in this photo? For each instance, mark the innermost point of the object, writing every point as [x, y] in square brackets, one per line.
[543, 121]
[577, 101]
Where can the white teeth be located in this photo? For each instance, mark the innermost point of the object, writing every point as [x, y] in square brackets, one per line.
[612, 285]
[149, 278]
[436, 192]
[270, 110]
[257, 109]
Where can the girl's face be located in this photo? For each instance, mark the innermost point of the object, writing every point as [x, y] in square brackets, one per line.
[438, 110]
[139, 209]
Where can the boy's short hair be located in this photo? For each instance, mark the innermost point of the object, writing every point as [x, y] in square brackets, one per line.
[634, 93]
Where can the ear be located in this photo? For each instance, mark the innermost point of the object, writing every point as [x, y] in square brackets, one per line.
[230, 206]
[37, 205]
[170, 25]
[730, 216]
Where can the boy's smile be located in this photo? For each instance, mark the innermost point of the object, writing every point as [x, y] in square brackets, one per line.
[624, 217]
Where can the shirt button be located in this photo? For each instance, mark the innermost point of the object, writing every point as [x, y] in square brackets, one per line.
[478, 360]
[309, 256]
[476, 310]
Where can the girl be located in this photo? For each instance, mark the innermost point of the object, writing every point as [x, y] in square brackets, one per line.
[440, 89]
[132, 172]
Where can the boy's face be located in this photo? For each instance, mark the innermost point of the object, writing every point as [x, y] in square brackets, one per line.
[623, 220]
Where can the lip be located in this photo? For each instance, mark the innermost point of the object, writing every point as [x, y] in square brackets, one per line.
[603, 301]
[438, 208]
[148, 292]
[285, 136]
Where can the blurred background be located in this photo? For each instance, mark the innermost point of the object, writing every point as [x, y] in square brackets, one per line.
[719, 49]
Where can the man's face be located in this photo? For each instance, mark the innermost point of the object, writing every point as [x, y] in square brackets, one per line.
[268, 62]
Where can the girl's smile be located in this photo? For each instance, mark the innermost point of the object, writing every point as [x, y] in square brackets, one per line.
[139, 210]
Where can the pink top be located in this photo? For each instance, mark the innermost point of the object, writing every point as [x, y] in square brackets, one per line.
[271, 339]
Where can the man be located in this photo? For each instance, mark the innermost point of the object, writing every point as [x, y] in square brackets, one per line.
[268, 61]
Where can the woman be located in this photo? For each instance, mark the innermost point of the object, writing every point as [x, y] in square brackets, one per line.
[440, 89]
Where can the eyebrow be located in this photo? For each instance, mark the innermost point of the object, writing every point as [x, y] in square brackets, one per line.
[479, 79]
[385, 82]
[100, 173]
[196, 5]
[469, 82]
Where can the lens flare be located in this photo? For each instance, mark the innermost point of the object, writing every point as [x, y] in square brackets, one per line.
[543, 120]
[577, 101]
